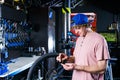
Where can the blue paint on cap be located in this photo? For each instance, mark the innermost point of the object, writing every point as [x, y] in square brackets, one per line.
[79, 19]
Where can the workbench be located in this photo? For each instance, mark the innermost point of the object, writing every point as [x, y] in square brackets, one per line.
[18, 65]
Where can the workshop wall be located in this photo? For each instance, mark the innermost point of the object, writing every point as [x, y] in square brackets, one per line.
[12, 31]
[38, 17]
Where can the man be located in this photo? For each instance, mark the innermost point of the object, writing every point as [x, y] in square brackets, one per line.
[90, 56]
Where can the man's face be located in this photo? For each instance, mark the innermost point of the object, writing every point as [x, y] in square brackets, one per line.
[78, 30]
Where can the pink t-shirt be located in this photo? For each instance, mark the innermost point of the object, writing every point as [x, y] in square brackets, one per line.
[88, 50]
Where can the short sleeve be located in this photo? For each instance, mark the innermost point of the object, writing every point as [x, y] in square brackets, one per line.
[101, 50]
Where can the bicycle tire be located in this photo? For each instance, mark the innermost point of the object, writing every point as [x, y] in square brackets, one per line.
[38, 65]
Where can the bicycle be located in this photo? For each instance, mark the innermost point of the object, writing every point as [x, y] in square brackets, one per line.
[41, 71]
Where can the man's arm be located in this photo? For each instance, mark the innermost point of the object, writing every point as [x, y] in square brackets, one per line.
[100, 67]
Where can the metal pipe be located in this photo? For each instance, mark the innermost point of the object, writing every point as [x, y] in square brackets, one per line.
[66, 7]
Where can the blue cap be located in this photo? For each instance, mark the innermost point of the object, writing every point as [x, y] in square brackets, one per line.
[79, 19]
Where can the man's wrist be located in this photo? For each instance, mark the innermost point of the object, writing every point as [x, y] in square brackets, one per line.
[77, 67]
[82, 68]
[74, 66]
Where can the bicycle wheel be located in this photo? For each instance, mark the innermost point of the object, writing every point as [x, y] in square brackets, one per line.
[43, 66]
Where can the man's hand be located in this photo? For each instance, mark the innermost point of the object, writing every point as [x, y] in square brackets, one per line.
[61, 57]
[68, 66]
